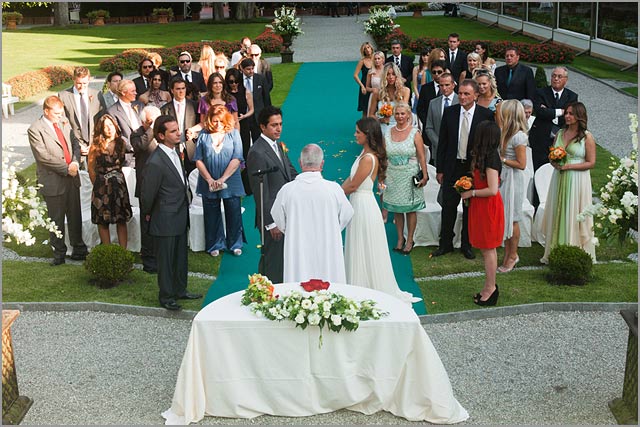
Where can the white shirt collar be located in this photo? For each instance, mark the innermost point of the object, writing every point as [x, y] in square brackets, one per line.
[470, 111]
[558, 92]
[167, 150]
[269, 140]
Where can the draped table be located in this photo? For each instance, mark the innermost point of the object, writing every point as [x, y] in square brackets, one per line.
[239, 365]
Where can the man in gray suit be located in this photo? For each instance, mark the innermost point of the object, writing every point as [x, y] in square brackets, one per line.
[57, 157]
[81, 106]
[110, 97]
[437, 105]
[267, 160]
[164, 208]
[126, 112]
[257, 85]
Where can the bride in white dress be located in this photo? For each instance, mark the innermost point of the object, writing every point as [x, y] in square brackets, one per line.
[366, 257]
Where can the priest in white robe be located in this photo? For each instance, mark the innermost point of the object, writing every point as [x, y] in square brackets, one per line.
[312, 212]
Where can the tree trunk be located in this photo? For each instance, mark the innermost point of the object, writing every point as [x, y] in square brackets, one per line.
[60, 14]
[244, 10]
[218, 11]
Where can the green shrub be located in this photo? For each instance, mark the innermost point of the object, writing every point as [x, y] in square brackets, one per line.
[100, 13]
[569, 265]
[541, 78]
[109, 264]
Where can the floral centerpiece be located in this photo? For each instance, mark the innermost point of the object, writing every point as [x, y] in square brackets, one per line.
[617, 212]
[22, 210]
[464, 183]
[286, 25]
[319, 308]
[379, 25]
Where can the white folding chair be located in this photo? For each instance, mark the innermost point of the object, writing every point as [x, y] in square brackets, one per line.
[428, 219]
[196, 215]
[8, 100]
[528, 175]
[542, 180]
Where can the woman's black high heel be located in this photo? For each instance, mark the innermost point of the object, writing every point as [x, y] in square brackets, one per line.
[492, 300]
[401, 248]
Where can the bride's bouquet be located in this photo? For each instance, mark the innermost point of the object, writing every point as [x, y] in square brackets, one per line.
[385, 111]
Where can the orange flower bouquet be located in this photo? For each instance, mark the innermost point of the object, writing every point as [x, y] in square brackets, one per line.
[260, 290]
[385, 111]
[464, 183]
[557, 155]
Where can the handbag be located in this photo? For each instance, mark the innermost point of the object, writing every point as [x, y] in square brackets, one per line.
[417, 178]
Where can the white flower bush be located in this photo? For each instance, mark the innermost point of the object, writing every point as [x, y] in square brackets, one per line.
[22, 210]
[380, 23]
[617, 212]
[285, 22]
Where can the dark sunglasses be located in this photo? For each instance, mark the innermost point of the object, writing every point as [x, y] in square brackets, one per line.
[184, 61]
[232, 82]
[437, 72]
[147, 66]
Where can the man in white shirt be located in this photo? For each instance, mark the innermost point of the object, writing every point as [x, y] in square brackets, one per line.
[312, 212]
[239, 55]
[437, 105]
[261, 65]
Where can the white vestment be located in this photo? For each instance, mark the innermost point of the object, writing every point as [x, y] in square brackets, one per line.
[312, 212]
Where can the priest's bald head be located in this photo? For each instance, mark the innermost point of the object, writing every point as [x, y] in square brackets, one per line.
[311, 158]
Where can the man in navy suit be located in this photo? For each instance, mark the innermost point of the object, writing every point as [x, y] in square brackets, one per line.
[453, 161]
[514, 80]
[428, 92]
[195, 81]
[404, 63]
[164, 208]
[456, 60]
[259, 88]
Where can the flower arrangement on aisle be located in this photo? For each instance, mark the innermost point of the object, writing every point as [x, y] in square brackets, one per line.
[385, 111]
[319, 308]
[22, 210]
[285, 22]
[464, 183]
[380, 24]
[617, 212]
[557, 155]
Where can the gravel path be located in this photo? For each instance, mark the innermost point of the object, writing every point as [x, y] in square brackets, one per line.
[549, 368]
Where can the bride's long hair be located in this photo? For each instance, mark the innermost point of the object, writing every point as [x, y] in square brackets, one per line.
[371, 128]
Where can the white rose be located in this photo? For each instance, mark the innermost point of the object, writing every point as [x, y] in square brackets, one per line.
[299, 318]
[336, 319]
[314, 306]
[306, 304]
[314, 319]
[326, 306]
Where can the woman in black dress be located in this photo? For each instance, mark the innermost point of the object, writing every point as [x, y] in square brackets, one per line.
[110, 198]
[363, 67]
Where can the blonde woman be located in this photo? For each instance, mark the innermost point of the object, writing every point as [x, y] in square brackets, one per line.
[363, 67]
[474, 61]
[206, 62]
[392, 91]
[488, 92]
[513, 153]
[375, 74]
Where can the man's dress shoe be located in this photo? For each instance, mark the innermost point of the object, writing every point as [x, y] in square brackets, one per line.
[57, 261]
[78, 257]
[440, 252]
[468, 253]
[171, 305]
[190, 296]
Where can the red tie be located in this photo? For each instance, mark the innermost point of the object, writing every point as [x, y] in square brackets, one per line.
[67, 156]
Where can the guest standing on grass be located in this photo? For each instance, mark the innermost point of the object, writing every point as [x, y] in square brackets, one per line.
[515, 80]
[482, 49]
[570, 187]
[513, 152]
[218, 157]
[365, 64]
[110, 197]
[217, 94]
[486, 211]
[155, 95]
[420, 76]
[164, 210]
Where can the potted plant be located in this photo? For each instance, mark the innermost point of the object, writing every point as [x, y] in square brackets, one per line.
[287, 26]
[11, 19]
[164, 14]
[379, 25]
[97, 16]
[417, 8]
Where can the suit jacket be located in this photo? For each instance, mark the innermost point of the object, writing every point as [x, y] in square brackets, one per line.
[191, 118]
[522, 86]
[261, 97]
[544, 105]
[51, 167]
[448, 138]
[197, 80]
[144, 144]
[458, 66]
[427, 93]
[164, 197]
[71, 111]
[140, 87]
[106, 100]
[118, 112]
[265, 70]
[406, 68]
[434, 119]
[261, 157]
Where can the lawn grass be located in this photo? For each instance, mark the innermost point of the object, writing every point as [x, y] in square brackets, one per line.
[604, 70]
[614, 282]
[631, 90]
[38, 47]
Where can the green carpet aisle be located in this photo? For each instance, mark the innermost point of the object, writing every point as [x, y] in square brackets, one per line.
[320, 108]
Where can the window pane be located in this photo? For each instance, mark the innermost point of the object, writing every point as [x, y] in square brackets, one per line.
[575, 17]
[491, 6]
[541, 13]
[618, 22]
[515, 9]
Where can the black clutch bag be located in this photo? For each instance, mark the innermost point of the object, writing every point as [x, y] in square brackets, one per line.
[417, 178]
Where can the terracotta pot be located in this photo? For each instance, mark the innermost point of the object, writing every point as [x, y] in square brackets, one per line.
[12, 24]
[99, 21]
[417, 13]
[163, 19]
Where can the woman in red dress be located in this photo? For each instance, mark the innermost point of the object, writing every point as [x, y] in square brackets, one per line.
[486, 211]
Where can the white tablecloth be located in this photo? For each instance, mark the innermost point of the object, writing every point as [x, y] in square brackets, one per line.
[241, 366]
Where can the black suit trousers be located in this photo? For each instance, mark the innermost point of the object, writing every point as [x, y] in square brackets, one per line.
[272, 258]
[450, 201]
[66, 205]
[171, 253]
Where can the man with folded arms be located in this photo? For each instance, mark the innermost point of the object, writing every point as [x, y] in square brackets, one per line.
[312, 212]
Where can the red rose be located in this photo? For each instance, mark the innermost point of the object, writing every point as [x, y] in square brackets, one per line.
[315, 285]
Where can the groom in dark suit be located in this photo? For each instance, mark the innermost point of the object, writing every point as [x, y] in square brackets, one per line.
[404, 63]
[455, 146]
[164, 208]
[266, 154]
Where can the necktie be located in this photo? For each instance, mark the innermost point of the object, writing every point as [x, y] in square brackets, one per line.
[186, 77]
[63, 142]
[275, 148]
[133, 118]
[146, 83]
[247, 84]
[397, 60]
[557, 96]
[84, 117]
[464, 136]
[453, 57]
[446, 102]
[175, 158]
[510, 75]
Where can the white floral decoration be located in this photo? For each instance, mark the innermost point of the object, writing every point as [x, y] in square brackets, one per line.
[285, 22]
[380, 23]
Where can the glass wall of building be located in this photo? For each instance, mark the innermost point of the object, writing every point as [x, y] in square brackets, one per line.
[514, 9]
[490, 6]
[542, 13]
[618, 22]
[576, 17]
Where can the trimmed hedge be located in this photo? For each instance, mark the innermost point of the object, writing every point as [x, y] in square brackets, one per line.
[268, 41]
[35, 82]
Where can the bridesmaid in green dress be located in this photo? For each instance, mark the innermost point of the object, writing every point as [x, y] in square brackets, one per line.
[570, 186]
